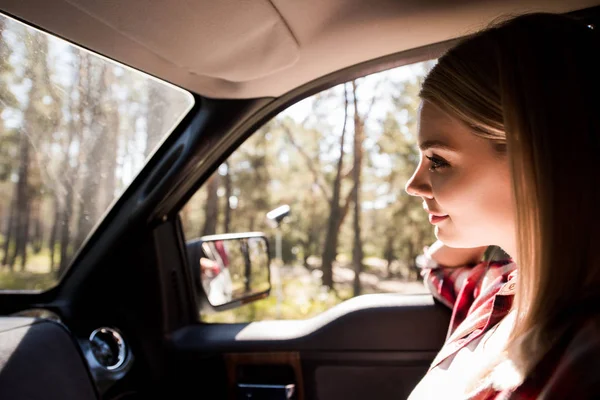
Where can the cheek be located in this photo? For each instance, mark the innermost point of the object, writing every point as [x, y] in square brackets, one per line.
[477, 197]
[455, 192]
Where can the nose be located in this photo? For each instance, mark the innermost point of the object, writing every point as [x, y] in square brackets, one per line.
[419, 185]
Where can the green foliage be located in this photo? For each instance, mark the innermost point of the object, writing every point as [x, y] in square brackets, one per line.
[24, 280]
[302, 295]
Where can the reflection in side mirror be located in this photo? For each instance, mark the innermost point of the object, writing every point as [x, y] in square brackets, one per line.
[232, 268]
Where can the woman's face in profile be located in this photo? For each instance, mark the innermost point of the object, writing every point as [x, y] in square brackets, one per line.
[464, 183]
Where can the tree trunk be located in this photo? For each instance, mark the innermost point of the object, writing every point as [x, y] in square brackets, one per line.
[109, 163]
[87, 201]
[37, 237]
[389, 254]
[333, 224]
[9, 232]
[22, 201]
[70, 171]
[211, 209]
[65, 221]
[32, 124]
[54, 233]
[357, 251]
[412, 265]
[331, 241]
[98, 128]
[227, 184]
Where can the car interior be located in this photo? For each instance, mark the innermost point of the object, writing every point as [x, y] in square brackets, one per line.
[130, 288]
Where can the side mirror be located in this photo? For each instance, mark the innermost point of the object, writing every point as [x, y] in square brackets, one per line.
[276, 216]
[231, 269]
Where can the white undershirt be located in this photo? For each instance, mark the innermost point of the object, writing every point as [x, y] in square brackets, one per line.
[453, 378]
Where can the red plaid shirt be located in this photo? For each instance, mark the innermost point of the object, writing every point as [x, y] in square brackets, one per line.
[480, 296]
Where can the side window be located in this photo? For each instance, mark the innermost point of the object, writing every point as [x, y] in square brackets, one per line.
[75, 129]
[339, 160]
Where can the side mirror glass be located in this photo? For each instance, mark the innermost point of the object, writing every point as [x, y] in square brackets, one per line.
[231, 269]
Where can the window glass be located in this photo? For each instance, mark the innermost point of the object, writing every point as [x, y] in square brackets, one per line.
[75, 129]
[354, 144]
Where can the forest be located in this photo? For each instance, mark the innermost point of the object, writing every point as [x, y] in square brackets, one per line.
[75, 129]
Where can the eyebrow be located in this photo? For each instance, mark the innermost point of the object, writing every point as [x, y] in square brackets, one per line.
[438, 144]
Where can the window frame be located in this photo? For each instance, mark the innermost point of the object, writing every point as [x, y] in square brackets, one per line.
[225, 146]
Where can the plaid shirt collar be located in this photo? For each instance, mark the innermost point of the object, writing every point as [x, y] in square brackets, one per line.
[481, 296]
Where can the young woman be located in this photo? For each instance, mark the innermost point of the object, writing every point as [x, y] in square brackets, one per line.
[509, 138]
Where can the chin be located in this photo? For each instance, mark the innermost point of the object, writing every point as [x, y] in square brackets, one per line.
[457, 241]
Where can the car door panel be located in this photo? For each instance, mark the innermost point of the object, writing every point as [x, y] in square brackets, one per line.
[379, 322]
[379, 345]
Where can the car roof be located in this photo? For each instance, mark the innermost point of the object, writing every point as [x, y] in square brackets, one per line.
[262, 48]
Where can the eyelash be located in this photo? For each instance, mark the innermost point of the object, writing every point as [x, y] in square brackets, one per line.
[436, 163]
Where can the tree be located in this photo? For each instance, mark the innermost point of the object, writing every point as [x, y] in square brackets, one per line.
[333, 196]
[211, 208]
[228, 193]
[76, 104]
[336, 211]
[8, 138]
[357, 245]
[95, 127]
[403, 227]
[112, 132]
[36, 72]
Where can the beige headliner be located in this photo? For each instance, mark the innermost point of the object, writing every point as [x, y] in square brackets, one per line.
[254, 48]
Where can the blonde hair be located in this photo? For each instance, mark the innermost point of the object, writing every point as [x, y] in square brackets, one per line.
[532, 84]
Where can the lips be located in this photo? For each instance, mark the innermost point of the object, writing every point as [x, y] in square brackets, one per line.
[435, 219]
